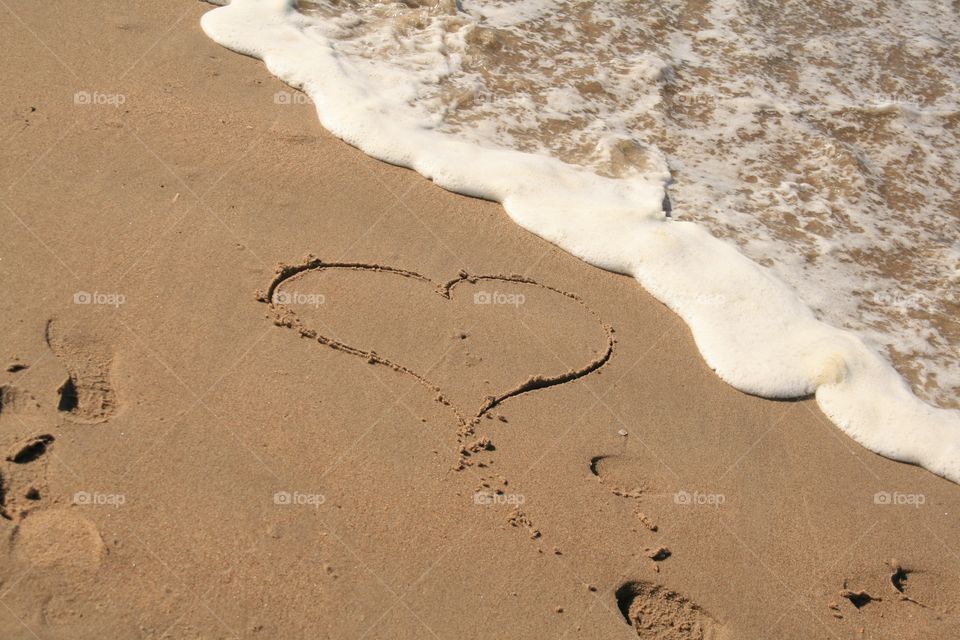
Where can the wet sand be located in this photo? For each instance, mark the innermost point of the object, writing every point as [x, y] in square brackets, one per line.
[186, 457]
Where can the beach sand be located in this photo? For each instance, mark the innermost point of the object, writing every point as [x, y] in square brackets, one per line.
[184, 460]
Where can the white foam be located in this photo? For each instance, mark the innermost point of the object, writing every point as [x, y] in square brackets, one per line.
[751, 328]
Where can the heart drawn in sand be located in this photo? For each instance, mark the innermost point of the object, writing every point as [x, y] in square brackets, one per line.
[474, 341]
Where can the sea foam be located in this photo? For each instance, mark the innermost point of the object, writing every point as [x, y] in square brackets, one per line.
[564, 155]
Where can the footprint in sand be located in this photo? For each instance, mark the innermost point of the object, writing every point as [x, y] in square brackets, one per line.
[897, 600]
[30, 450]
[51, 538]
[14, 400]
[23, 465]
[615, 474]
[57, 539]
[87, 395]
[656, 612]
[9, 399]
[619, 474]
[23, 479]
[922, 588]
[925, 593]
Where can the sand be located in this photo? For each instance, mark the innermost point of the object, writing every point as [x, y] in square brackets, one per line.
[184, 457]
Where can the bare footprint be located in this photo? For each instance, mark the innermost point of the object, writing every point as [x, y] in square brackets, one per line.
[87, 395]
[619, 475]
[622, 482]
[927, 589]
[897, 600]
[656, 612]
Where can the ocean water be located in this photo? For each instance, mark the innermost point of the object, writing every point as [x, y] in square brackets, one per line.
[784, 175]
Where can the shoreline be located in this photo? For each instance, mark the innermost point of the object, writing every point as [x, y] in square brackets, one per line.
[760, 338]
[244, 481]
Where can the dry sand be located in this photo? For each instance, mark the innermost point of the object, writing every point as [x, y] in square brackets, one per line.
[183, 460]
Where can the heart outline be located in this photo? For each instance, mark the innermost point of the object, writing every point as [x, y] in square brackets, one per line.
[284, 316]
